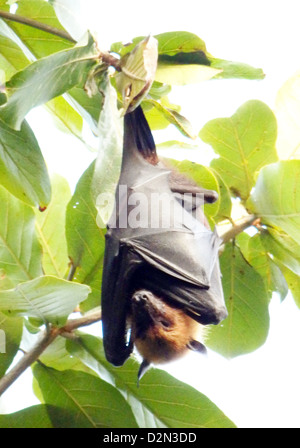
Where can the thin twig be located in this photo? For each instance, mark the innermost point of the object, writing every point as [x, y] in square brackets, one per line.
[35, 24]
[106, 57]
[236, 229]
[48, 337]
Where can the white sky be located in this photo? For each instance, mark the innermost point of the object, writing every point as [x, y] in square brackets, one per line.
[260, 389]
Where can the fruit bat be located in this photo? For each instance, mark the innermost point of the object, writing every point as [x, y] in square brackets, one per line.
[161, 275]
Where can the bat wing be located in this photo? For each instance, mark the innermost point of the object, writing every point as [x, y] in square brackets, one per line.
[167, 250]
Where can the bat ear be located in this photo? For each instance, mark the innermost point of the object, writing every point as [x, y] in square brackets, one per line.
[142, 370]
[197, 346]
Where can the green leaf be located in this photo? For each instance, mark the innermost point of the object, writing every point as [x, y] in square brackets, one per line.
[47, 298]
[22, 167]
[57, 357]
[172, 116]
[183, 59]
[293, 284]
[20, 252]
[51, 229]
[39, 43]
[276, 197]
[202, 175]
[185, 51]
[225, 204]
[88, 107]
[12, 57]
[33, 417]
[246, 327]
[93, 402]
[109, 159]
[10, 337]
[259, 257]
[85, 239]
[239, 70]
[174, 42]
[45, 79]
[245, 142]
[283, 248]
[65, 116]
[160, 401]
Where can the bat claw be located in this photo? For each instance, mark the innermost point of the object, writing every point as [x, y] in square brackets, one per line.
[142, 370]
[197, 346]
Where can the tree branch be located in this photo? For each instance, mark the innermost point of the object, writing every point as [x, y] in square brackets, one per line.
[48, 337]
[26, 361]
[106, 57]
[236, 229]
[35, 24]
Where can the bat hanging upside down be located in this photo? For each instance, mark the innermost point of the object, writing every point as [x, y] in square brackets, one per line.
[161, 275]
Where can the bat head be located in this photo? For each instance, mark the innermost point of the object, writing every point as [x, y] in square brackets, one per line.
[161, 332]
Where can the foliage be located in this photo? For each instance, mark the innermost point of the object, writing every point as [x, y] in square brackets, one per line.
[52, 243]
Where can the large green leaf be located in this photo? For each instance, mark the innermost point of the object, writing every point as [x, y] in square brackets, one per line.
[276, 197]
[20, 252]
[45, 79]
[85, 239]
[160, 401]
[247, 324]
[22, 167]
[93, 402]
[245, 142]
[183, 59]
[108, 163]
[51, 229]
[10, 337]
[47, 298]
[40, 43]
[186, 52]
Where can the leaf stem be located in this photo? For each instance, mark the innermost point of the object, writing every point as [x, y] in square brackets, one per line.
[47, 338]
[236, 229]
[35, 24]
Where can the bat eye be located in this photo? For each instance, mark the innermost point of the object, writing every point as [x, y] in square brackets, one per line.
[165, 323]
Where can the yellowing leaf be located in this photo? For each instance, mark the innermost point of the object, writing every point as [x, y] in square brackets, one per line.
[138, 71]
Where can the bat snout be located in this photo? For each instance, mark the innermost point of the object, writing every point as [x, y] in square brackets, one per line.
[142, 296]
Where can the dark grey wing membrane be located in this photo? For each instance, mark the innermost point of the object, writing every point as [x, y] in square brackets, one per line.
[177, 258]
